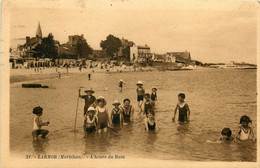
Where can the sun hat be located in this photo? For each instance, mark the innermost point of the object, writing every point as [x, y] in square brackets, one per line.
[101, 98]
[121, 80]
[91, 109]
[89, 90]
[116, 102]
[154, 87]
[139, 83]
[246, 119]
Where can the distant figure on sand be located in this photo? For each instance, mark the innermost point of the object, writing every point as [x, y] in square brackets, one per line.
[148, 104]
[245, 132]
[154, 94]
[140, 95]
[226, 135]
[121, 83]
[102, 114]
[183, 108]
[37, 124]
[89, 99]
[89, 76]
[128, 111]
[59, 74]
[150, 122]
[116, 114]
[90, 121]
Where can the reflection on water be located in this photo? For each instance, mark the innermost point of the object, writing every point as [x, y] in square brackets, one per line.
[217, 99]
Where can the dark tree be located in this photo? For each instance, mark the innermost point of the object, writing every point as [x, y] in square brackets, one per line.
[126, 50]
[83, 49]
[111, 45]
[47, 48]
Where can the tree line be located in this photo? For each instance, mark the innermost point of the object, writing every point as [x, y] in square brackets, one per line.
[111, 45]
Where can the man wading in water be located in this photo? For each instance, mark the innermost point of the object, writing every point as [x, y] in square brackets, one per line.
[89, 99]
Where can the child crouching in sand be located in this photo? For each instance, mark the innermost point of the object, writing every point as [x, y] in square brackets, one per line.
[37, 124]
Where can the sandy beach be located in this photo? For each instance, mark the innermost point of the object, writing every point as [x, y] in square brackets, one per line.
[23, 75]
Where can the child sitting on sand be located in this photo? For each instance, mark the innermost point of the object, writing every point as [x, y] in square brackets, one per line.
[148, 104]
[37, 124]
[245, 132]
[102, 114]
[150, 121]
[90, 121]
[127, 111]
[183, 108]
[154, 94]
[226, 135]
[140, 95]
[116, 114]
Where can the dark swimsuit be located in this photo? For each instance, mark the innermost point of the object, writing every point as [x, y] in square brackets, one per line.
[153, 96]
[151, 127]
[127, 116]
[183, 113]
[116, 116]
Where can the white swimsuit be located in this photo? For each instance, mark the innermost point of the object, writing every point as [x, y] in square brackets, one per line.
[35, 126]
[244, 135]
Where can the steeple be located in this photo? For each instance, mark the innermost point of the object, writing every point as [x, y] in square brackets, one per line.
[39, 31]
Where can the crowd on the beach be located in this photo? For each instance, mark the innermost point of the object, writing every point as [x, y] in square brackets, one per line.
[97, 117]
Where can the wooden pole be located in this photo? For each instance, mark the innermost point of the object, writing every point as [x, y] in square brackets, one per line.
[76, 113]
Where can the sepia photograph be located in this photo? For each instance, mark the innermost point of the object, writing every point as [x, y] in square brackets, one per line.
[127, 83]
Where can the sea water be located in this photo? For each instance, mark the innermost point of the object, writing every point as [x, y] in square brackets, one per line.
[217, 98]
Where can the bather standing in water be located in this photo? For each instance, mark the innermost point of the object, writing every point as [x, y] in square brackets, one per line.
[183, 108]
[128, 111]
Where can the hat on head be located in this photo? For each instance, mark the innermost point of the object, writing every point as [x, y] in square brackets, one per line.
[101, 98]
[139, 83]
[121, 80]
[116, 102]
[154, 87]
[91, 109]
[89, 90]
[246, 119]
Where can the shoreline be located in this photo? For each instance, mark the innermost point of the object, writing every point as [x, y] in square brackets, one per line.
[29, 75]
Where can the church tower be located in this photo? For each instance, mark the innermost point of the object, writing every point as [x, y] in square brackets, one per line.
[39, 31]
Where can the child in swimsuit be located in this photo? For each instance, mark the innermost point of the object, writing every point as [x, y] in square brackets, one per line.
[37, 124]
[183, 108]
[102, 115]
[121, 83]
[154, 94]
[116, 114]
[245, 132]
[150, 121]
[127, 111]
[226, 135]
[148, 104]
[90, 121]
[140, 95]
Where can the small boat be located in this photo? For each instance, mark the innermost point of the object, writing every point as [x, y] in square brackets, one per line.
[31, 85]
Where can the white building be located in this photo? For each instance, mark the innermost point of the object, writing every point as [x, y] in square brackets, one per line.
[139, 54]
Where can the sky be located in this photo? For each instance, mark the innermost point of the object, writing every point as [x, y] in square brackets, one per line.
[211, 31]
